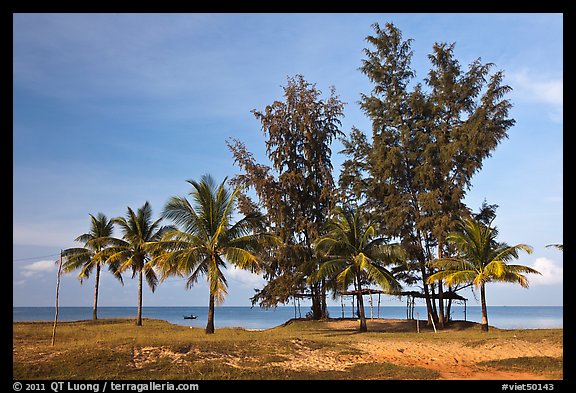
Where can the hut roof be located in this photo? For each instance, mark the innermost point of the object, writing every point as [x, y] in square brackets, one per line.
[415, 294]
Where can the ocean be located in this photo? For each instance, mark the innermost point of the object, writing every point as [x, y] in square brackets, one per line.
[503, 317]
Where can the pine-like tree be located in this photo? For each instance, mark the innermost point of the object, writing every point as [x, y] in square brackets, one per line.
[428, 140]
[297, 190]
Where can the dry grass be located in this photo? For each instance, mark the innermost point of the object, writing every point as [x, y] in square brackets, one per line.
[117, 349]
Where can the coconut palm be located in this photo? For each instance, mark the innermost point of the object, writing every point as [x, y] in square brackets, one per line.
[88, 258]
[481, 259]
[355, 254]
[132, 252]
[206, 238]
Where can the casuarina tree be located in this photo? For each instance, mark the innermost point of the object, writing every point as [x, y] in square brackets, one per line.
[296, 191]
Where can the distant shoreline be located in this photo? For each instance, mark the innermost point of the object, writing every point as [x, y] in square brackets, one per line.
[506, 317]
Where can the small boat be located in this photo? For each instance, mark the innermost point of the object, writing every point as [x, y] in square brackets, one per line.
[190, 316]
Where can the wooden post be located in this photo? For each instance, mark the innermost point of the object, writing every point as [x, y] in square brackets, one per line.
[371, 313]
[378, 304]
[408, 307]
[57, 290]
[352, 307]
[342, 304]
[465, 310]
[294, 306]
[433, 324]
[299, 311]
[417, 322]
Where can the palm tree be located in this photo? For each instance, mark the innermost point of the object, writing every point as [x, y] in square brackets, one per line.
[356, 255]
[481, 259]
[206, 238]
[88, 257]
[132, 252]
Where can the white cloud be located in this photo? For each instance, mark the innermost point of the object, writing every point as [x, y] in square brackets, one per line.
[548, 91]
[551, 273]
[245, 278]
[38, 268]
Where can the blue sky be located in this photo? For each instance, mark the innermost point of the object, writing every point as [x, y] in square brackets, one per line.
[112, 110]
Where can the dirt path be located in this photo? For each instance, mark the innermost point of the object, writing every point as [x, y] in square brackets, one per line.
[456, 361]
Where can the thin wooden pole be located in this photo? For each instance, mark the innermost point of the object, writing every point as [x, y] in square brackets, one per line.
[342, 304]
[407, 307]
[378, 305]
[352, 307]
[371, 313]
[299, 311]
[433, 324]
[57, 293]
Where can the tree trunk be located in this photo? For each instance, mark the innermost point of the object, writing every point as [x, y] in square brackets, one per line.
[57, 295]
[448, 311]
[426, 288]
[440, 305]
[210, 324]
[484, 310]
[432, 316]
[95, 309]
[440, 291]
[139, 317]
[323, 299]
[316, 302]
[363, 326]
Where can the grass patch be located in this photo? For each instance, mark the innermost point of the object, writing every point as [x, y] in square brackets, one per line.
[551, 366]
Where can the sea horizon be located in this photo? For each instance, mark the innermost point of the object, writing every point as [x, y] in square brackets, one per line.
[256, 318]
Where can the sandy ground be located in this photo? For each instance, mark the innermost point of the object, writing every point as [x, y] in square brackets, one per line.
[452, 360]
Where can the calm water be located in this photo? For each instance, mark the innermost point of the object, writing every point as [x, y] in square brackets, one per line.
[504, 317]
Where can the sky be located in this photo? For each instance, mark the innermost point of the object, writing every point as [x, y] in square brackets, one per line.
[113, 110]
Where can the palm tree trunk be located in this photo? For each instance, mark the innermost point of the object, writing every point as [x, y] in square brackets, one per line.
[95, 308]
[210, 324]
[139, 317]
[484, 310]
[323, 304]
[363, 326]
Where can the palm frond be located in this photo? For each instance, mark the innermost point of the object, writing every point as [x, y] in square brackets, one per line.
[509, 253]
[451, 264]
[328, 269]
[346, 276]
[521, 269]
[383, 277]
[150, 275]
[242, 258]
[216, 281]
[386, 253]
[495, 268]
[558, 246]
[515, 278]
[201, 270]
[453, 277]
